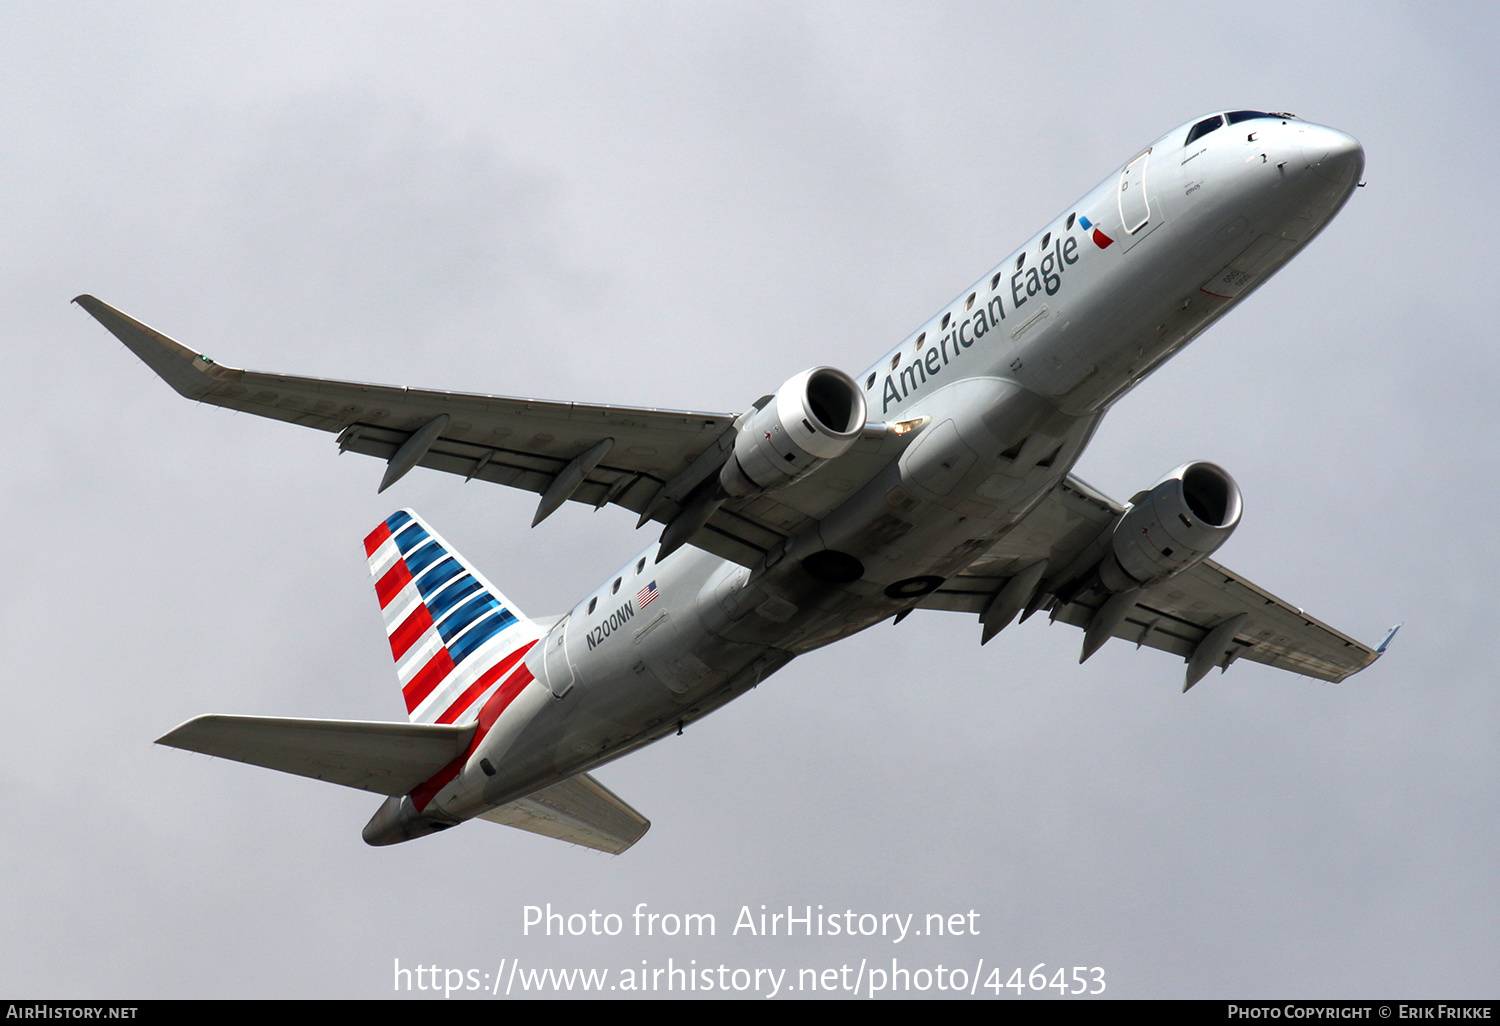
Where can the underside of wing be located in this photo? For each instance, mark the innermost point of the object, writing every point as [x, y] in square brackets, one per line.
[1207, 612]
[1179, 615]
[579, 810]
[523, 443]
[386, 758]
[649, 461]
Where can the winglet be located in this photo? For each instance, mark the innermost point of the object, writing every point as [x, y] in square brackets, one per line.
[192, 374]
[1380, 648]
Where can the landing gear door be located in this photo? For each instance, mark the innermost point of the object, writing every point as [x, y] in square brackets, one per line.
[555, 660]
[1137, 217]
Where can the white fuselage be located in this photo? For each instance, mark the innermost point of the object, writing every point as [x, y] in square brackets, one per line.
[1006, 385]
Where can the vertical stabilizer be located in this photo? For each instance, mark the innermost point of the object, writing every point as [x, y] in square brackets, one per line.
[455, 638]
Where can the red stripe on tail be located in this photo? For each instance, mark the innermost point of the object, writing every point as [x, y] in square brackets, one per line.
[396, 578]
[410, 629]
[496, 705]
[427, 678]
[476, 689]
[376, 538]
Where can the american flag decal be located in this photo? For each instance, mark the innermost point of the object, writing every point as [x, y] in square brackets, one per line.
[645, 595]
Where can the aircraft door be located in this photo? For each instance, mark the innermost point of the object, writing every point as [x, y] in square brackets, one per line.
[1135, 208]
[1136, 216]
[556, 660]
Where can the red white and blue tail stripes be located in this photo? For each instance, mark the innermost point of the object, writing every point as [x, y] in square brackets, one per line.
[455, 638]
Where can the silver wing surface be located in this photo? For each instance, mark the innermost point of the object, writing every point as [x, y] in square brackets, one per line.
[648, 461]
[1069, 529]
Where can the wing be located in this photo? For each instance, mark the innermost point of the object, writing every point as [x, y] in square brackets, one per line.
[1180, 615]
[648, 461]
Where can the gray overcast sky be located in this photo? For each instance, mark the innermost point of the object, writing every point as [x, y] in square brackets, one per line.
[680, 205]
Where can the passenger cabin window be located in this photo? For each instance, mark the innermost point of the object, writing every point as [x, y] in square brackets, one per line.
[592, 603]
[1203, 127]
[614, 587]
[869, 384]
[946, 318]
[640, 564]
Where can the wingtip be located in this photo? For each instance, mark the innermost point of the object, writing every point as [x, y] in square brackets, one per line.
[174, 737]
[635, 842]
[188, 371]
[1386, 641]
[94, 306]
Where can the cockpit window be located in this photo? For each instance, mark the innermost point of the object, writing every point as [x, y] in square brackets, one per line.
[1236, 116]
[1203, 127]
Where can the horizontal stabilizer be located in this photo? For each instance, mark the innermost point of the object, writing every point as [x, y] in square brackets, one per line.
[386, 758]
[580, 810]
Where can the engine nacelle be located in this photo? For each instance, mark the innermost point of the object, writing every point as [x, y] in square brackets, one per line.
[1176, 525]
[811, 419]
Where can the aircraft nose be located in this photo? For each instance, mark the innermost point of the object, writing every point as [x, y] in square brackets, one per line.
[1334, 156]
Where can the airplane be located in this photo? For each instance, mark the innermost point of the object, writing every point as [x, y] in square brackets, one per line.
[939, 478]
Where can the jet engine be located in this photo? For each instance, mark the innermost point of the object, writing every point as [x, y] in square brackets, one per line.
[1174, 526]
[816, 416]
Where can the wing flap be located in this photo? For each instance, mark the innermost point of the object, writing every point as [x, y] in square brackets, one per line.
[579, 810]
[386, 758]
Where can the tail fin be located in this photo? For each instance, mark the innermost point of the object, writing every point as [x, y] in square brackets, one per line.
[454, 636]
